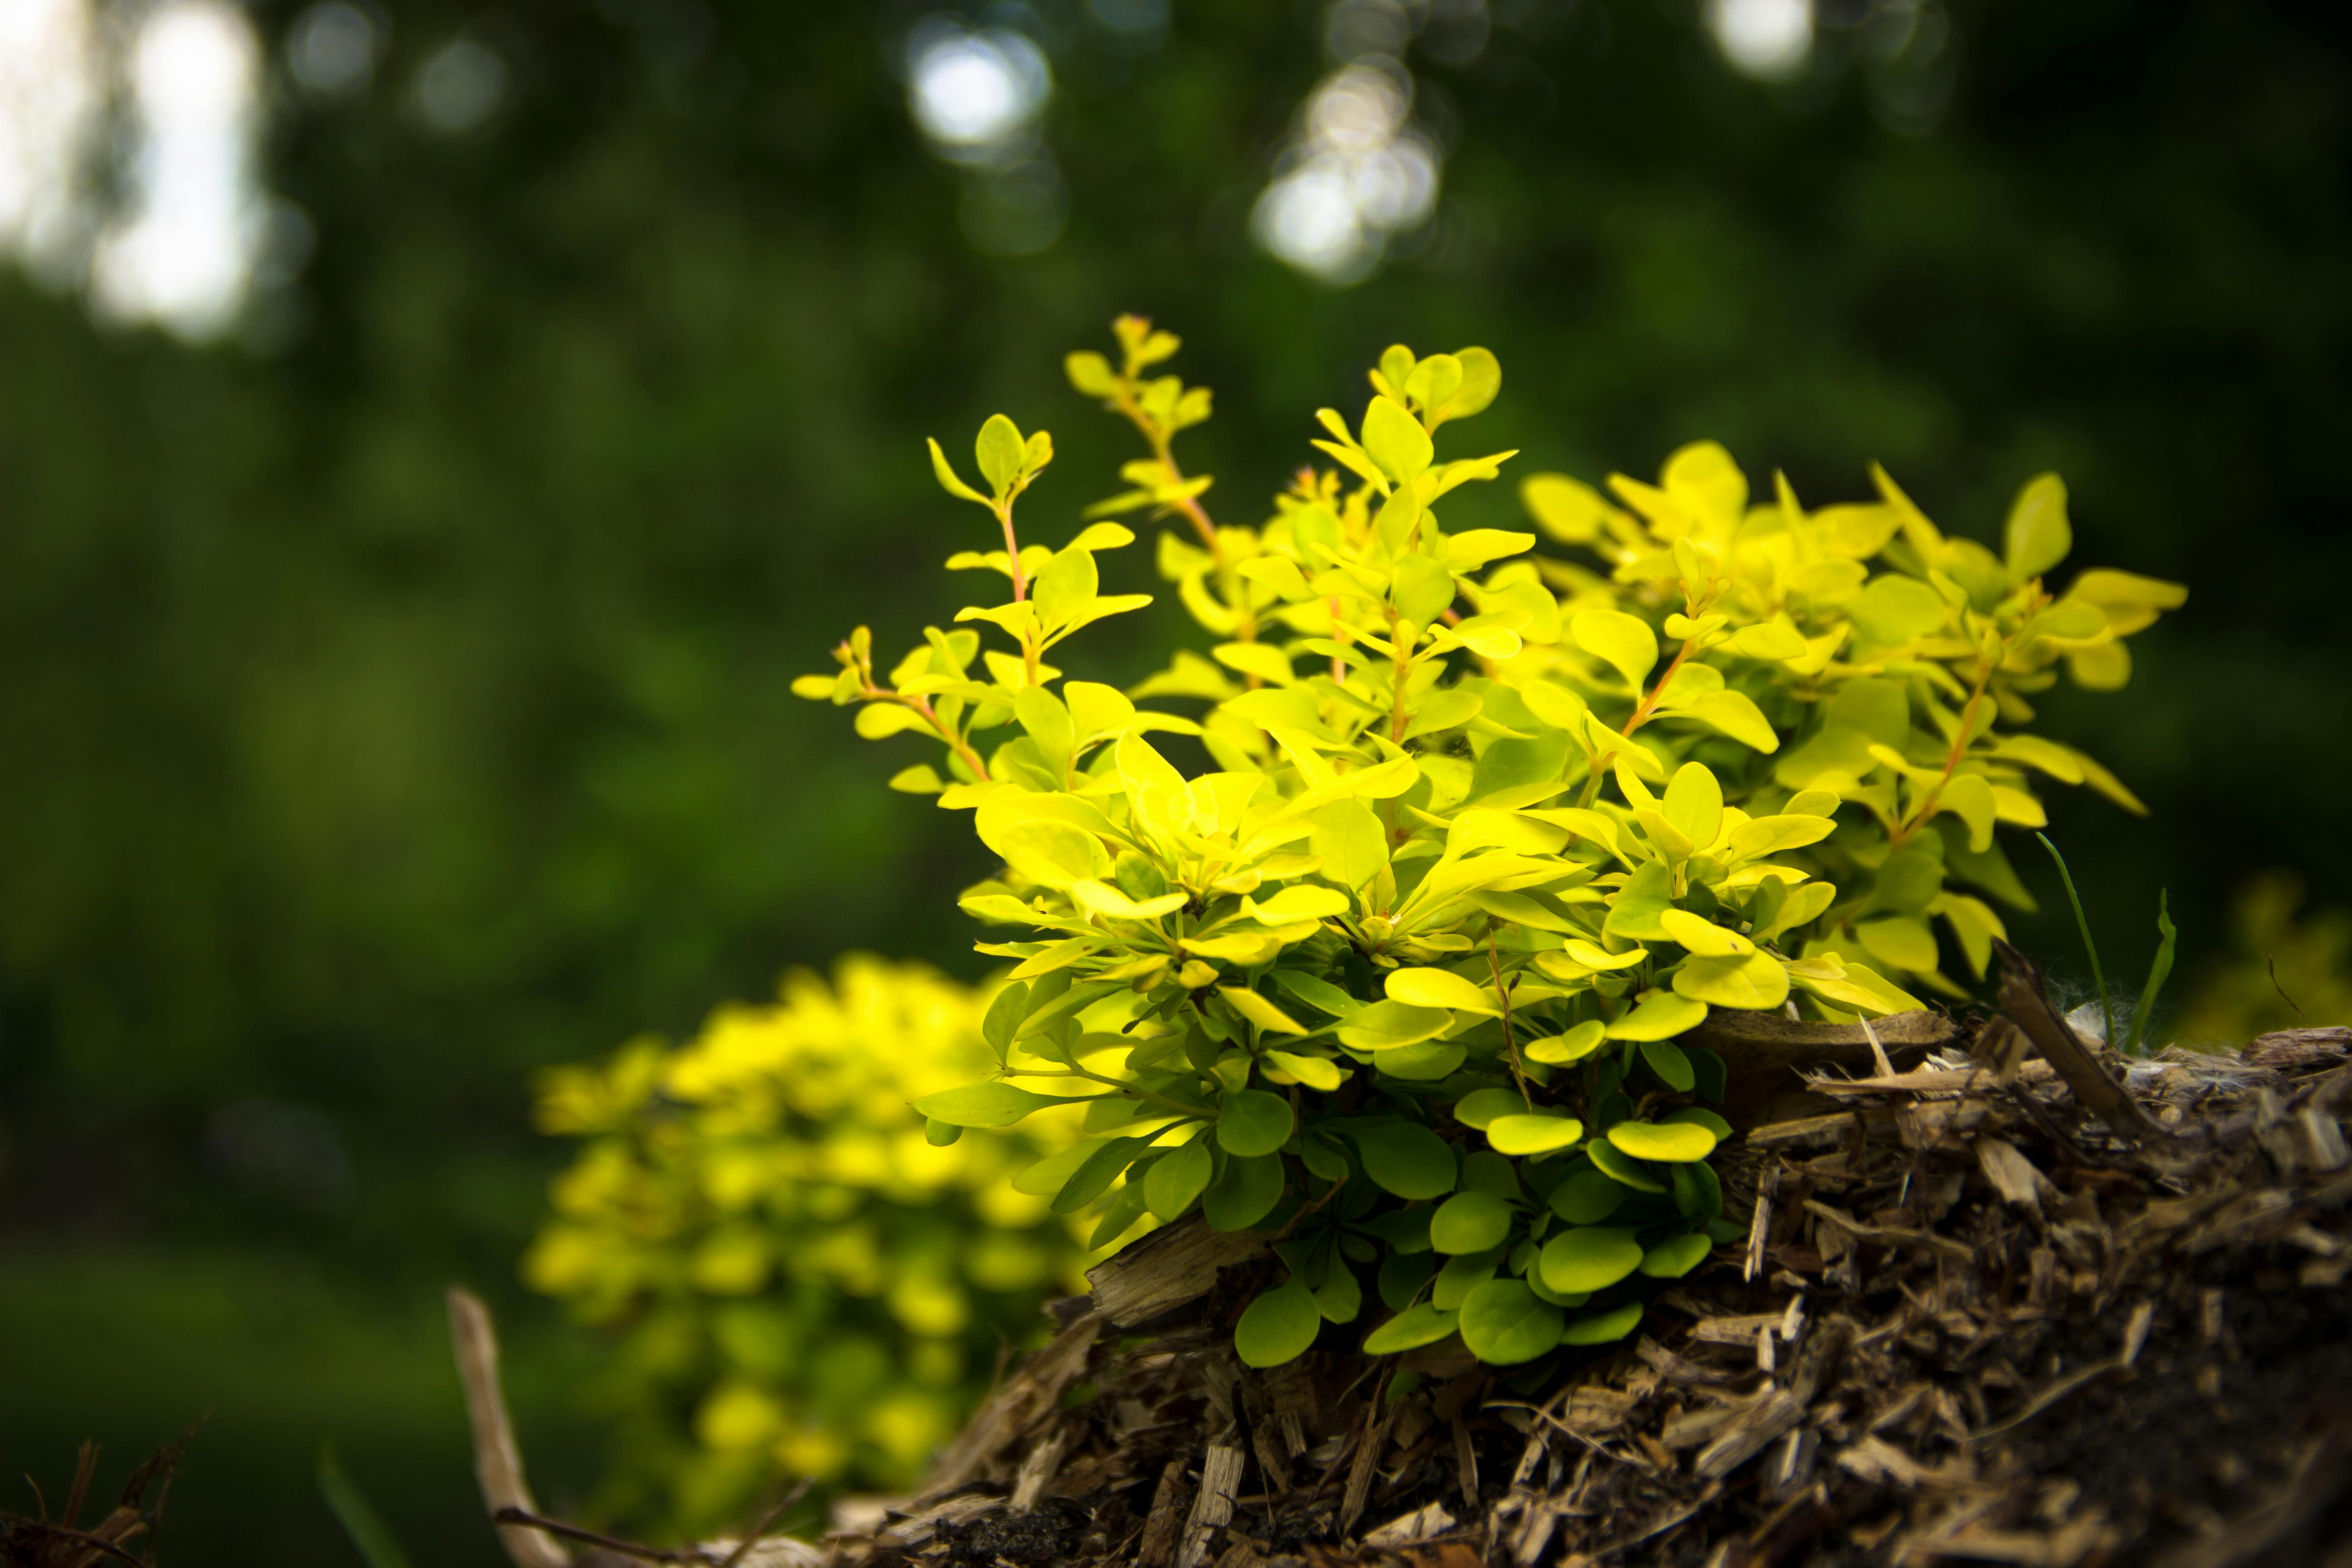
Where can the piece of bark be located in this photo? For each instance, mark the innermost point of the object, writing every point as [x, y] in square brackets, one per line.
[1764, 1052]
[1379, 1417]
[1163, 1525]
[1760, 1226]
[1038, 1469]
[1466, 1464]
[1167, 1269]
[2026, 1001]
[1213, 1505]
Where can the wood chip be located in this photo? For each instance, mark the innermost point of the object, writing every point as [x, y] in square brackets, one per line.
[1431, 1519]
[1213, 1507]
[1774, 1415]
[1167, 1269]
[1038, 1467]
[2014, 1176]
[1166, 1520]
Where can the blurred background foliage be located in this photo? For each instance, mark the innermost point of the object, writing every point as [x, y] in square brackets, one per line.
[394, 685]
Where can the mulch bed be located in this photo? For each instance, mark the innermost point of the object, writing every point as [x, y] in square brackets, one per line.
[1973, 1323]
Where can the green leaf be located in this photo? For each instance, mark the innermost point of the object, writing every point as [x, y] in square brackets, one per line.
[1341, 1295]
[1315, 1072]
[1894, 609]
[1000, 452]
[1756, 983]
[1591, 1258]
[1698, 1192]
[1049, 1175]
[1253, 1121]
[1463, 1273]
[1674, 1068]
[1736, 714]
[1401, 1277]
[1320, 994]
[1587, 1197]
[1481, 1106]
[1256, 1008]
[1667, 1141]
[948, 480]
[1394, 440]
[1470, 1222]
[1661, 1017]
[1278, 1326]
[1386, 1025]
[2038, 536]
[1423, 589]
[1090, 373]
[1504, 1323]
[1712, 1075]
[987, 1104]
[1177, 1178]
[1625, 642]
[1118, 1216]
[1431, 988]
[1699, 1116]
[1406, 1158]
[1348, 836]
[919, 779]
[2156, 974]
[1244, 1193]
[1603, 1327]
[939, 1134]
[1619, 1167]
[1094, 1178]
[1417, 1325]
[1673, 1259]
[1006, 1010]
[1066, 585]
[1054, 854]
[1482, 378]
[1426, 1063]
[1572, 1046]
[1536, 1133]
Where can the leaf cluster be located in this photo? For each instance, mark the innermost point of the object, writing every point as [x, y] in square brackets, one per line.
[1405, 976]
[799, 1279]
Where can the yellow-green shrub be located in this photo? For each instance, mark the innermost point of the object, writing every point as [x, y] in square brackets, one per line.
[1482, 835]
[801, 1282]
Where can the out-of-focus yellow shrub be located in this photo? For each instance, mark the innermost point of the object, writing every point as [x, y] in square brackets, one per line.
[2238, 998]
[802, 1283]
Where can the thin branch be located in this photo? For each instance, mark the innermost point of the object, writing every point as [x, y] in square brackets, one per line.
[523, 1518]
[789, 1500]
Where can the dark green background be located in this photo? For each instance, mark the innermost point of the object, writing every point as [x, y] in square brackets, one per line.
[396, 710]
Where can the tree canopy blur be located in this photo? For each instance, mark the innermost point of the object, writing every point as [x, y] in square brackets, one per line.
[396, 689]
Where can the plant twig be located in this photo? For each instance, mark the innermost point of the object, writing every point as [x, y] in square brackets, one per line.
[524, 1517]
[784, 1505]
[498, 1460]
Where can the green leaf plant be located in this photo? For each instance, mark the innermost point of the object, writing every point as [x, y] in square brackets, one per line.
[1404, 977]
[800, 1272]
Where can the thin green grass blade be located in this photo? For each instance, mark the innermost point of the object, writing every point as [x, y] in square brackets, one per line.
[377, 1546]
[2158, 972]
[2082, 923]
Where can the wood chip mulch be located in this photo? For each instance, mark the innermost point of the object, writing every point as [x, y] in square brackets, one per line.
[1973, 1322]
